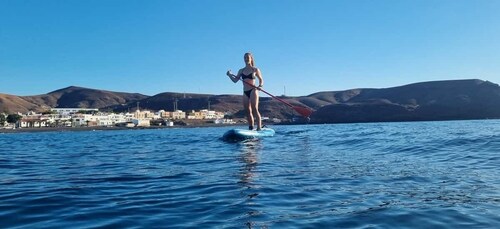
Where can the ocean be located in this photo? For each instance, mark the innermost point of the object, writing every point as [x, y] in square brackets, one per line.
[370, 175]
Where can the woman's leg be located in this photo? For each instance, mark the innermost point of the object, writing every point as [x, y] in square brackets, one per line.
[248, 109]
[254, 106]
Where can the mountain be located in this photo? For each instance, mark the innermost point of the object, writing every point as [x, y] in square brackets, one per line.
[436, 100]
[12, 104]
[66, 97]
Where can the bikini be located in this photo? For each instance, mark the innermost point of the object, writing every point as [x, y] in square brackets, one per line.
[249, 92]
[249, 76]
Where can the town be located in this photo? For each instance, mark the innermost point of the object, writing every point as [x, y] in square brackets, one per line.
[92, 117]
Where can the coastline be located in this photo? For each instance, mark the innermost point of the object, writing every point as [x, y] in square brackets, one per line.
[99, 128]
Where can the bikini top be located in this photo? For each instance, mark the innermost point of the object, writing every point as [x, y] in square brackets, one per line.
[249, 76]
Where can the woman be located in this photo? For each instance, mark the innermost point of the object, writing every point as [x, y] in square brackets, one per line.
[250, 91]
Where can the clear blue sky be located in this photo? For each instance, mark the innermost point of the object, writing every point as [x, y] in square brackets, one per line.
[151, 47]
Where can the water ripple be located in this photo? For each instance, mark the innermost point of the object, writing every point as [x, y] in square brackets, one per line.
[373, 175]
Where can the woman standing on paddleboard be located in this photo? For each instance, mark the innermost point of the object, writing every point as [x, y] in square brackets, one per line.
[248, 74]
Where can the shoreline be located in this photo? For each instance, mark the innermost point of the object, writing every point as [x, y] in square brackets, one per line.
[190, 125]
[94, 128]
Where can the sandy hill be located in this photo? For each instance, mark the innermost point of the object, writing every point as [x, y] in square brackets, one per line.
[66, 97]
[12, 104]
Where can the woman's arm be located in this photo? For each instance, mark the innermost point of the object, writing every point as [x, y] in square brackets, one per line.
[259, 76]
[233, 77]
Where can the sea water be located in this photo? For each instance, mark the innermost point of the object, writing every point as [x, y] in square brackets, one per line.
[371, 175]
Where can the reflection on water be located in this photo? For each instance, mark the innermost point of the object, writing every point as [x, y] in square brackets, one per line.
[249, 158]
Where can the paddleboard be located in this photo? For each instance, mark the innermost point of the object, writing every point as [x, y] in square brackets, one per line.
[242, 134]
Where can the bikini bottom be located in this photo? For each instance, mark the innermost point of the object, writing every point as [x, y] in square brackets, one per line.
[248, 93]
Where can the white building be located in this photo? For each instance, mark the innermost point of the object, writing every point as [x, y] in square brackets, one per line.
[212, 114]
[33, 120]
[205, 114]
[141, 122]
[32, 123]
[224, 121]
[98, 119]
[72, 110]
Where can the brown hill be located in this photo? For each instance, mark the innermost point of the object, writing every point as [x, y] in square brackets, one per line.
[13, 104]
[85, 97]
[438, 100]
[67, 97]
[165, 101]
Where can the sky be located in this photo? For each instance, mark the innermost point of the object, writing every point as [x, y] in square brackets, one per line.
[300, 46]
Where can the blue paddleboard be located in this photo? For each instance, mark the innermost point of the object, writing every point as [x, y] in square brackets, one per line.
[242, 134]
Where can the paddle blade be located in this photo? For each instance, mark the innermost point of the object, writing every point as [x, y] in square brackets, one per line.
[306, 112]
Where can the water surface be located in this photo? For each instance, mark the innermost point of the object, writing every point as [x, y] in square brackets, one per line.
[375, 175]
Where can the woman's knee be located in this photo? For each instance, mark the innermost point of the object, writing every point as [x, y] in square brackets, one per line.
[254, 107]
[256, 113]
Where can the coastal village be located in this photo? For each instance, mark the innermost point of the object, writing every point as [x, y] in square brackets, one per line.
[92, 117]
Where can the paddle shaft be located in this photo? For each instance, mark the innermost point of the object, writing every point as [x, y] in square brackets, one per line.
[306, 112]
[281, 100]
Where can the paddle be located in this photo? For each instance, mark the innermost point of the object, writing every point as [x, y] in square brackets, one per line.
[306, 112]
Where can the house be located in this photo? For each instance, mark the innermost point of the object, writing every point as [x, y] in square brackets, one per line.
[212, 114]
[195, 115]
[178, 114]
[143, 114]
[32, 122]
[164, 114]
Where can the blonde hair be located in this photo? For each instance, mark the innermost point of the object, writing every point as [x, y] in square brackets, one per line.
[252, 63]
